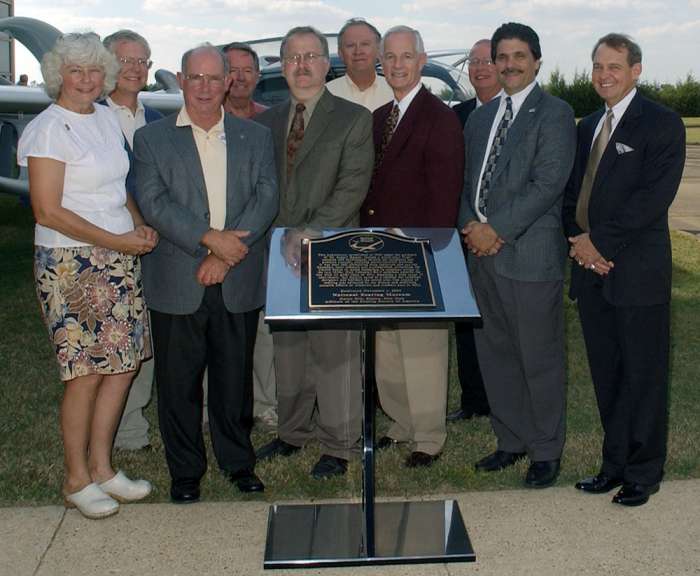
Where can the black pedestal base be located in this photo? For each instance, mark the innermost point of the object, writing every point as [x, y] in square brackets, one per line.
[304, 536]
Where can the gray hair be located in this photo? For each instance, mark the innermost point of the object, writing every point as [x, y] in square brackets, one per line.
[417, 39]
[126, 36]
[81, 49]
[206, 47]
[358, 22]
[243, 47]
[619, 42]
[305, 30]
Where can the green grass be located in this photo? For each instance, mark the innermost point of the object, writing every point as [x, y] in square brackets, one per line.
[692, 130]
[31, 463]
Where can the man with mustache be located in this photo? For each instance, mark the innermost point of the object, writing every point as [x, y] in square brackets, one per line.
[358, 48]
[324, 163]
[519, 152]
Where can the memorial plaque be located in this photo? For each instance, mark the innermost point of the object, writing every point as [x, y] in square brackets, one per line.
[370, 270]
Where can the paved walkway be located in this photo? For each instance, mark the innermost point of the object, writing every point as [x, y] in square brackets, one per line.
[557, 532]
[685, 210]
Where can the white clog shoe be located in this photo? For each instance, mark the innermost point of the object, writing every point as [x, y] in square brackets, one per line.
[121, 488]
[92, 502]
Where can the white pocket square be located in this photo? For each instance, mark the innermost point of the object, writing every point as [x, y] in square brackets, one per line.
[623, 148]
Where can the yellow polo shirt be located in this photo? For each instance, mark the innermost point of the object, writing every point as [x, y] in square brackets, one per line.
[211, 147]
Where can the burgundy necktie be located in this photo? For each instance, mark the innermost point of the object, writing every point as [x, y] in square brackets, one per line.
[296, 136]
[389, 126]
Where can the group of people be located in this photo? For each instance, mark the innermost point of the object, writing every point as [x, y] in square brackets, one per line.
[190, 200]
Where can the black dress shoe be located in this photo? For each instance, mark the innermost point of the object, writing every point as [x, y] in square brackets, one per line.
[542, 474]
[246, 481]
[463, 414]
[329, 466]
[498, 461]
[186, 492]
[385, 442]
[634, 494]
[598, 484]
[277, 447]
[421, 459]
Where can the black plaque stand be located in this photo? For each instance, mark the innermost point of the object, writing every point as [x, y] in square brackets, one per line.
[316, 535]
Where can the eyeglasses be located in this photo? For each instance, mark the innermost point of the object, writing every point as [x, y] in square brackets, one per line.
[199, 79]
[308, 58]
[480, 61]
[128, 61]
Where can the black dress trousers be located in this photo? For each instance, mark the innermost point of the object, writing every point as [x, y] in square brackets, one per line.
[628, 353]
[184, 346]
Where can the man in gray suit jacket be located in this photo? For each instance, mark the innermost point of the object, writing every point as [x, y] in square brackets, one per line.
[323, 148]
[519, 152]
[207, 183]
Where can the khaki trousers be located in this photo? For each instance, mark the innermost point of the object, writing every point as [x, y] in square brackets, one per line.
[411, 373]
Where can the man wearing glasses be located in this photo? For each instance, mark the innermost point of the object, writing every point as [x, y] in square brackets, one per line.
[473, 402]
[207, 183]
[483, 78]
[324, 164]
[133, 54]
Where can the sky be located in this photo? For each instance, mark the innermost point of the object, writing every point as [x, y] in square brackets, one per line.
[668, 31]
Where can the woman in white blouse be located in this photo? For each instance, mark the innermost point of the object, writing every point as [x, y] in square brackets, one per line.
[88, 237]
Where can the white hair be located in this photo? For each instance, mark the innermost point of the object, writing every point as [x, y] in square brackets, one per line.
[81, 50]
[417, 39]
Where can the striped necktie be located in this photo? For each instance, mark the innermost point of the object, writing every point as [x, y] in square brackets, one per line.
[496, 148]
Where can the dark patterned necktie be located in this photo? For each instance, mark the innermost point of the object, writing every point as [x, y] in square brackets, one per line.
[389, 126]
[496, 148]
[584, 197]
[296, 136]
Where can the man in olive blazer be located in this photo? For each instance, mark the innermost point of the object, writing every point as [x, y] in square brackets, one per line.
[511, 218]
[322, 185]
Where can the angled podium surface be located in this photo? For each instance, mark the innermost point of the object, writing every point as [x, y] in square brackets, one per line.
[366, 533]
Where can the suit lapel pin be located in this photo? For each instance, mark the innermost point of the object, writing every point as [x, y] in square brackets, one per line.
[531, 110]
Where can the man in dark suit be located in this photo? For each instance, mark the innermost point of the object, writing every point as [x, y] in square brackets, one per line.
[519, 152]
[207, 184]
[324, 162]
[483, 78]
[629, 163]
[473, 402]
[133, 55]
[416, 183]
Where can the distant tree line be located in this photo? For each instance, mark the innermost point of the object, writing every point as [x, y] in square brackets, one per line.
[683, 96]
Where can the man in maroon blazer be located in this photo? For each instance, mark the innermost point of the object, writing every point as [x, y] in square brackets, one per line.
[417, 180]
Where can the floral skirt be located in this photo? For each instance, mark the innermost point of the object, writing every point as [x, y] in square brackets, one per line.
[92, 303]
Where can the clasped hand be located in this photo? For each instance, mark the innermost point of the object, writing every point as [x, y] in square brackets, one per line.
[141, 240]
[586, 255]
[227, 245]
[482, 239]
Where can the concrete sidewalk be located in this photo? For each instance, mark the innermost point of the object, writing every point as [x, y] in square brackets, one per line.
[685, 210]
[558, 531]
